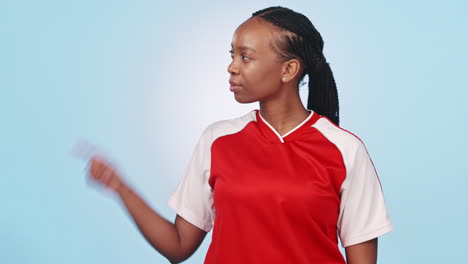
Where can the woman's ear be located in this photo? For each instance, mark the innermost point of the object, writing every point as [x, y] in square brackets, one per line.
[291, 69]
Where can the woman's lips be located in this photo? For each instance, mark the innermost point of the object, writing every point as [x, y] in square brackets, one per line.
[235, 88]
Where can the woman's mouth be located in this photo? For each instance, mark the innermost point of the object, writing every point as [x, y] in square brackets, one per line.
[235, 88]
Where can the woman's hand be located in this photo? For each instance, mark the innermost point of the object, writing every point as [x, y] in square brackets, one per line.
[175, 241]
[104, 173]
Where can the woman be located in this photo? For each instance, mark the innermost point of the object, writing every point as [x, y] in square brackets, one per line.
[278, 184]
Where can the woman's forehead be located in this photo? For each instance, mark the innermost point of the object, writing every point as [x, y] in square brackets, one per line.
[252, 33]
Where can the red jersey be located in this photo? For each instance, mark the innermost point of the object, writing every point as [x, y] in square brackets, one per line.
[281, 199]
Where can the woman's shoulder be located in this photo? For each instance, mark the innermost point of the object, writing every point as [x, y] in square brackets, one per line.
[338, 135]
[230, 125]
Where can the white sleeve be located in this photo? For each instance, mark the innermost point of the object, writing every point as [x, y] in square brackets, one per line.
[363, 212]
[193, 198]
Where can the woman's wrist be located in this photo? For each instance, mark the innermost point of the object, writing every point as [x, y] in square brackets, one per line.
[122, 188]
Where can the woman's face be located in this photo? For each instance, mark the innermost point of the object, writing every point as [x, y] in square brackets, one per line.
[254, 67]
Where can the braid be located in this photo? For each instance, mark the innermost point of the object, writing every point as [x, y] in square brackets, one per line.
[299, 39]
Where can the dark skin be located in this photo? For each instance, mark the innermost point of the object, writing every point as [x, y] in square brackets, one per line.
[260, 76]
[362, 253]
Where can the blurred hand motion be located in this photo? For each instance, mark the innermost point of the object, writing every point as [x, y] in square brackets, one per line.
[104, 173]
[100, 170]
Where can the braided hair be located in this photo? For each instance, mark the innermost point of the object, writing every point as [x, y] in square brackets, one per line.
[297, 38]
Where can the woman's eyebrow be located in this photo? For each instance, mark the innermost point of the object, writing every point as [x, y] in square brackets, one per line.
[246, 47]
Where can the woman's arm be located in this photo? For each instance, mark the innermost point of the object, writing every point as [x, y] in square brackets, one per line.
[175, 241]
[362, 253]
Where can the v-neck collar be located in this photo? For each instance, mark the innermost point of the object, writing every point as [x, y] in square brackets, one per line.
[274, 137]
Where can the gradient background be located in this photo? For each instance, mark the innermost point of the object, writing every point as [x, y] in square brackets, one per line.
[142, 79]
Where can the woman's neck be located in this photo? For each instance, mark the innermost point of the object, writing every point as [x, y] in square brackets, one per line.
[283, 115]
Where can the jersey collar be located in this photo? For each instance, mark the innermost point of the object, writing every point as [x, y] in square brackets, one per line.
[274, 137]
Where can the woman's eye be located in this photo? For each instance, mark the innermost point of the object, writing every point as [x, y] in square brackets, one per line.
[232, 55]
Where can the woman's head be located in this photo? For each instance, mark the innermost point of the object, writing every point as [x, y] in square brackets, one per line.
[287, 47]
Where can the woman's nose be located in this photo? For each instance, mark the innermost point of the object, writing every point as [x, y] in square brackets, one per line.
[232, 69]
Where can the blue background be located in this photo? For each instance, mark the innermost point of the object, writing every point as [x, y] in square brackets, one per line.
[142, 79]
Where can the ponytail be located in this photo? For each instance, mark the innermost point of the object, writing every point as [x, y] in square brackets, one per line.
[323, 94]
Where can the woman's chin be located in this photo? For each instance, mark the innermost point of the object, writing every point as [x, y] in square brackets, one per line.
[242, 100]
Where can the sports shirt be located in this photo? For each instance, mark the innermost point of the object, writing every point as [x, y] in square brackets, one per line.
[281, 199]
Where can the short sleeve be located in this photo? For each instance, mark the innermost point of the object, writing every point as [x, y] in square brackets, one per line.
[363, 212]
[193, 198]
